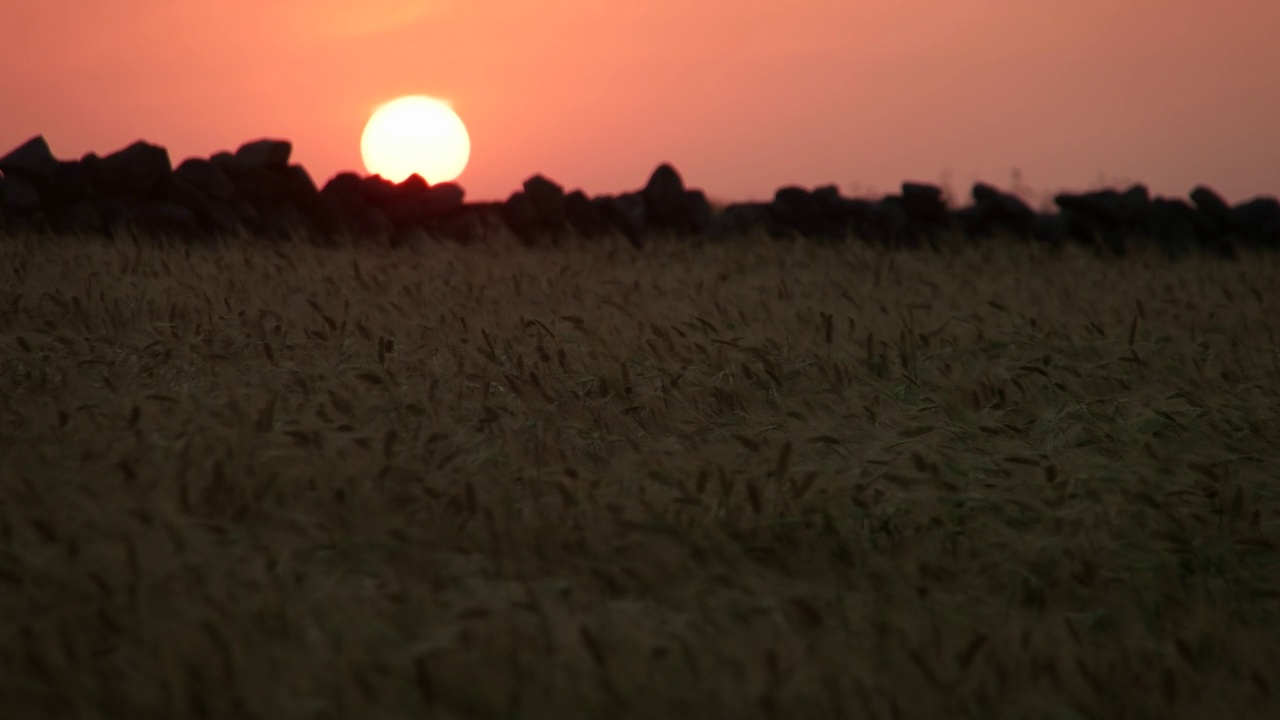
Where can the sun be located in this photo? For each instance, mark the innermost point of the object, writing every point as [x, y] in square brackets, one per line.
[415, 134]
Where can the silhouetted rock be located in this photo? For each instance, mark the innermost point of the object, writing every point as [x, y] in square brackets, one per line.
[995, 212]
[265, 153]
[19, 196]
[583, 215]
[926, 211]
[1095, 218]
[444, 199]
[413, 202]
[1257, 221]
[133, 170]
[625, 213]
[795, 209]
[664, 199]
[207, 177]
[77, 218]
[1211, 205]
[741, 220]
[72, 181]
[548, 199]
[521, 215]
[32, 160]
[351, 199]
[697, 211]
[471, 222]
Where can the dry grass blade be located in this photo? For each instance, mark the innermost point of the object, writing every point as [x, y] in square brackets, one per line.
[683, 482]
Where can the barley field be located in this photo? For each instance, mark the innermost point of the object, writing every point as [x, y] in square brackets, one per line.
[751, 479]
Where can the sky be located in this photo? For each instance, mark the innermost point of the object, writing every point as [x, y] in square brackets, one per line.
[742, 97]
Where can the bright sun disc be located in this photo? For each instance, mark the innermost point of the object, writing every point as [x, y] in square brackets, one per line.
[415, 134]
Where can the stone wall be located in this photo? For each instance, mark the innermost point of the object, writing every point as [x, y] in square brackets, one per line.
[257, 190]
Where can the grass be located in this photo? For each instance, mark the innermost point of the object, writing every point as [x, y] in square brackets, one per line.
[751, 479]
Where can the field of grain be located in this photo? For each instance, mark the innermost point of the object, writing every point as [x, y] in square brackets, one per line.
[750, 479]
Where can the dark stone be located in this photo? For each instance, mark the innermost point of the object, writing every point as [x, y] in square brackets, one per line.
[72, 181]
[471, 222]
[925, 208]
[349, 196]
[1173, 226]
[741, 220]
[521, 215]
[584, 216]
[1096, 218]
[995, 211]
[664, 200]
[207, 177]
[889, 221]
[796, 209]
[78, 218]
[443, 199]
[296, 183]
[381, 192]
[413, 202]
[32, 159]
[697, 211]
[346, 189]
[1258, 221]
[1212, 206]
[19, 196]
[548, 199]
[265, 153]
[285, 221]
[625, 214]
[132, 171]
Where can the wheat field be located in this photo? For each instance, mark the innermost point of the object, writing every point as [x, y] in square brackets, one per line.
[740, 480]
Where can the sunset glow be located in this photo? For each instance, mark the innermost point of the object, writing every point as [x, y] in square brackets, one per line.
[416, 135]
[740, 99]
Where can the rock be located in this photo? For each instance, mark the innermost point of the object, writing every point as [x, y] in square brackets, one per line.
[625, 214]
[925, 209]
[888, 222]
[381, 192]
[73, 181]
[796, 209]
[995, 211]
[697, 211]
[1258, 221]
[32, 160]
[521, 215]
[583, 215]
[1172, 226]
[664, 199]
[346, 189]
[78, 218]
[296, 184]
[1212, 206]
[133, 171]
[548, 199]
[471, 222]
[207, 177]
[285, 221]
[405, 205]
[265, 153]
[19, 196]
[1096, 218]
[443, 199]
[740, 220]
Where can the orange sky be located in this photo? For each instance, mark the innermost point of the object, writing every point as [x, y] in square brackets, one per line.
[741, 96]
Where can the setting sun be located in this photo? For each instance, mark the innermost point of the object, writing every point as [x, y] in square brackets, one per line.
[415, 134]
